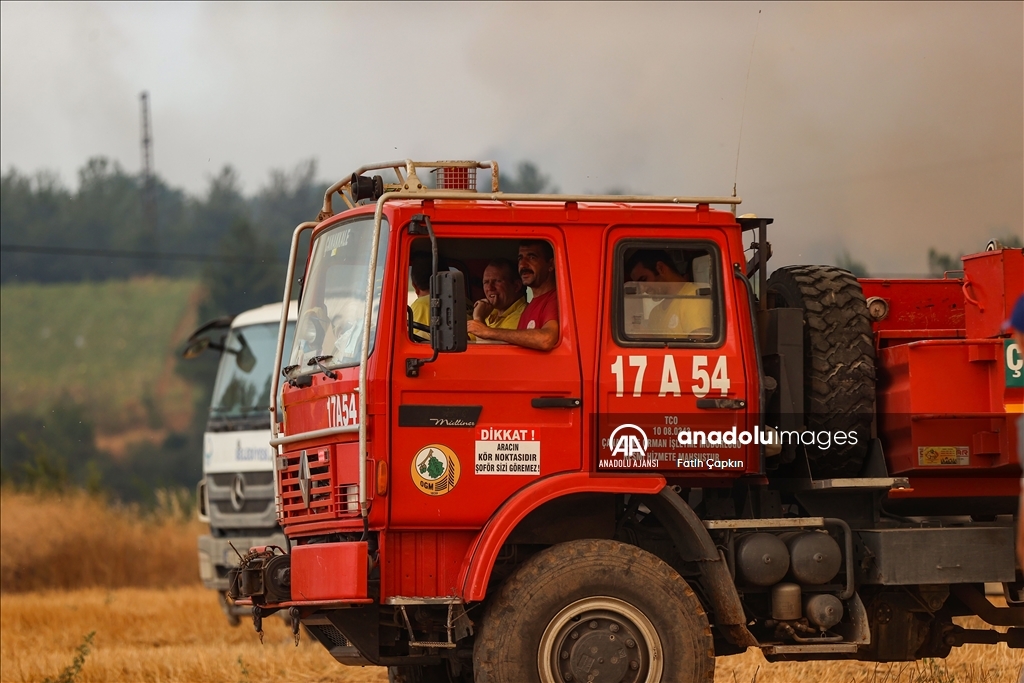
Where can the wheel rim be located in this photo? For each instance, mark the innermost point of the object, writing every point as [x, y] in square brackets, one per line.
[600, 639]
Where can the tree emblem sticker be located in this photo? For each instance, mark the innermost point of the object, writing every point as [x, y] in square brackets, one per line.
[436, 469]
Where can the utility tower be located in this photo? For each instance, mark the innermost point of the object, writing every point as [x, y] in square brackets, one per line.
[149, 217]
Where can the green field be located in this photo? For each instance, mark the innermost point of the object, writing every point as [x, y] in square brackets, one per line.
[106, 345]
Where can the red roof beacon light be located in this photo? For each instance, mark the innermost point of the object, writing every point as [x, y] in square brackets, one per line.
[456, 178]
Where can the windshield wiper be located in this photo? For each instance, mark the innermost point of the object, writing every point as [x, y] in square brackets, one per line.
[217, 423]
[319, 362]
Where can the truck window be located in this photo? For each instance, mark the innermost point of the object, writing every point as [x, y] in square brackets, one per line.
[670, 294]
[491, 273]
[242, 389]
[333, 301]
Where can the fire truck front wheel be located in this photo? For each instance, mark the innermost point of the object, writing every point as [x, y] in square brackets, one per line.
[594, 610]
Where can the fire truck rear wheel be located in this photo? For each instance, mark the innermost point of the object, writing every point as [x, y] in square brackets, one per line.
[594, 610]
[839, 361]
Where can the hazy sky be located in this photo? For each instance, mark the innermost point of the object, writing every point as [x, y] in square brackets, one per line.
[882, 129]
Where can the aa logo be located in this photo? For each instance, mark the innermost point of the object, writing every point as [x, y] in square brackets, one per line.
[628, 441]
[436, 470]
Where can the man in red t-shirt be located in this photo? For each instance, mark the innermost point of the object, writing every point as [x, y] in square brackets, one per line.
[538, 325]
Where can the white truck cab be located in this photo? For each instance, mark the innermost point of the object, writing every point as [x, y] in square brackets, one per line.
[236, 494]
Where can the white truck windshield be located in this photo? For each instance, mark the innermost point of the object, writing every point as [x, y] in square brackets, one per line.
[242, 389]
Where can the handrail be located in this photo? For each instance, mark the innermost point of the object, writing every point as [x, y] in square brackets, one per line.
[281, 332]
[309, 436]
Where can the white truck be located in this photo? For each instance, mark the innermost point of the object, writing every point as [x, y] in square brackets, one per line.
[236, 494]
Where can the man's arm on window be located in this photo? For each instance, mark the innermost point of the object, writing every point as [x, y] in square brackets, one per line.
[543, 339]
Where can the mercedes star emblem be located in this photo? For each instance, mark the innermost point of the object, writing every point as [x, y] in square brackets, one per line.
[238, 492]
[304, 478]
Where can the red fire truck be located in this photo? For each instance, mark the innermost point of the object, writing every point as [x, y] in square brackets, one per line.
[706, 460]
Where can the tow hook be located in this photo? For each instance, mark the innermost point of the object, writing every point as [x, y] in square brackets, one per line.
[294, 614]
[263, 574]
[257, 621]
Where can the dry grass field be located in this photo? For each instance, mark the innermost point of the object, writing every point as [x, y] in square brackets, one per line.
[133, 584]
[75, 541]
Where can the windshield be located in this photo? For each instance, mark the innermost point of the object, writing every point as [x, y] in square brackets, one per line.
[334, 297]
[242, 389]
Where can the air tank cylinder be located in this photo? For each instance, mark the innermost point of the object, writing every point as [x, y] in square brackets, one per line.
[823, 610]
[761, 559]
[814, 557]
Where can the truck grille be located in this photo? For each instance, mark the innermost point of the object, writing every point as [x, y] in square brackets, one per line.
[311, 492]
[241, 500]
[227, 479]
[224, 507]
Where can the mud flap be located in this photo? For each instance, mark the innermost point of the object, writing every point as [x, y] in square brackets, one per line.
[694, 544]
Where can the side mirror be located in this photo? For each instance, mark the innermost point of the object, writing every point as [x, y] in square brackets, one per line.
[244, 357]
[448, 320]
[196, 348]
[201, 339]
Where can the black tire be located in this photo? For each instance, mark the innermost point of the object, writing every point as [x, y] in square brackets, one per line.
[605, 607]
[839, 360]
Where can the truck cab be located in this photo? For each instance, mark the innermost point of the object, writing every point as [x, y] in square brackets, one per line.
[695, 466]
[237, 491]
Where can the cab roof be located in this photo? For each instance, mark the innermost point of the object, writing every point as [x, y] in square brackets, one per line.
[270, 313]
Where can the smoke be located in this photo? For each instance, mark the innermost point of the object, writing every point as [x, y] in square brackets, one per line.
[878, 129]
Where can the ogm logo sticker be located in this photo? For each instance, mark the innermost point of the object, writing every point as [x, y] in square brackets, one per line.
[436, 469]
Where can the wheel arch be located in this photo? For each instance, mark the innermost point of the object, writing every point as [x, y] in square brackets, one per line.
[480, 560]
[685, 528]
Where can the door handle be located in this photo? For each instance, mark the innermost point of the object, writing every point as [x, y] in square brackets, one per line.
[721, 403]
[555, 402]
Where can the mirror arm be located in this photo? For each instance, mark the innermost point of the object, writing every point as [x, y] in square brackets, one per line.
[412, 365]
[418, 225]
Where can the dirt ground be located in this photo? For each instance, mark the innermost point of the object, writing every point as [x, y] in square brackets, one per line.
[179, 634]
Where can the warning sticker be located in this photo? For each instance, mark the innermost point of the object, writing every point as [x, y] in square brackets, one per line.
[930, 456]
[508, 457]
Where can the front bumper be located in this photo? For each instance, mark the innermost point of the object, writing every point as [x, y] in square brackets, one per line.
[217, 558]
[313, 574]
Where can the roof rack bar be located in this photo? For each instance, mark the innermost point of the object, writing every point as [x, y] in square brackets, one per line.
[405, 183]
[409, 186]
[596, 198]
[510, 197]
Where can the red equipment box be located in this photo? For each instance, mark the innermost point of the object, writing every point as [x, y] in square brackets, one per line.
[329, 571]
[992, 282]
[941, 408]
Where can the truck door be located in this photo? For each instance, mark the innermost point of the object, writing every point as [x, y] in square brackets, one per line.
[474, 427]
[672, 358]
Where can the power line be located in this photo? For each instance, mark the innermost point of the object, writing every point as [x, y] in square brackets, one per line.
[124, 253]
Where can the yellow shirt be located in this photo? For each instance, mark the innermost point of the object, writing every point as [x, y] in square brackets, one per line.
[421, 314]
[507, 319]
[687, 315]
